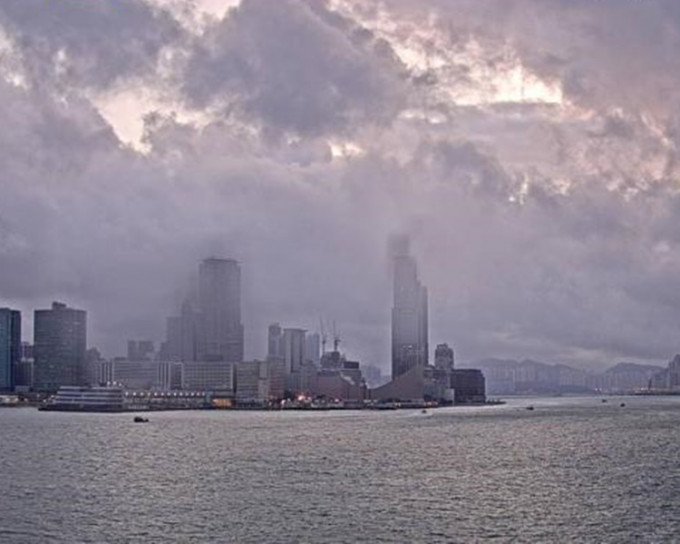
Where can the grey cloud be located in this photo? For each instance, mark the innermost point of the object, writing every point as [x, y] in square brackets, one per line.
[101, 42]
[296, 67]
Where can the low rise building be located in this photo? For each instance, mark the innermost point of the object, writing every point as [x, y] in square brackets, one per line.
[252, 381]
[208, 376]
[469, 386]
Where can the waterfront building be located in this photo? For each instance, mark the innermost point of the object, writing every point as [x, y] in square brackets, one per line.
[252, 381]
[277, 378]
[220, 330]
[339, 378]
[215, 376]
[146, 375]
[303, 380]
[469, 386]
[60, 344]
[10, 347]
[409, 314]
[335, 385]
[443, 358]
[407, 387]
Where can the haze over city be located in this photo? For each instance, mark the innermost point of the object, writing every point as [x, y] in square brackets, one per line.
[532, 160]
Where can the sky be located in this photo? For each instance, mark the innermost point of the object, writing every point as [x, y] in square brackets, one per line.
[529, 148]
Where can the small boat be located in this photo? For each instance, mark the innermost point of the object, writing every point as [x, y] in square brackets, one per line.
[623, 405]
[530, 408]
[423, 411]
[604, 400]
[140, 419]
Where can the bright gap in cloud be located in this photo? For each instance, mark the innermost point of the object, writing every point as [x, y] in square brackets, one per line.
[462, 72]
[345, 150]
[194, 15]
[125, 108]
[11, 68]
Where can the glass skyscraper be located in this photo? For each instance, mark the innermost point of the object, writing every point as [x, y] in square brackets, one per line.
[60, 346]
[10, 346]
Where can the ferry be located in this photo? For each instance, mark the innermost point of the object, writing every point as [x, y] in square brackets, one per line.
[72, 398]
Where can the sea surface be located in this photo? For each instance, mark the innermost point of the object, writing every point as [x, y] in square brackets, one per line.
[571, 470]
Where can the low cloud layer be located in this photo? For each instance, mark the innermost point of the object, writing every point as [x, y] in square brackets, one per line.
[528, 149]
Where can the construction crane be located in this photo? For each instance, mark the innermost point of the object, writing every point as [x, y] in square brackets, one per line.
[336, 338]
[324, 338]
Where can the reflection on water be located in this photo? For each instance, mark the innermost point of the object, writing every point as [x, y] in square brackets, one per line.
[573, 469]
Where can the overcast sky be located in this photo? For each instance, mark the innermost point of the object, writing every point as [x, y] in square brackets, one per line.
[529, 148]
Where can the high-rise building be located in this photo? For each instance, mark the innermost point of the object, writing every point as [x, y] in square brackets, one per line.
[60, 344]
[313, 348]
[409, 314]
[23, 369]
[294, 347]
[219, 331]
[181, 336]
[171, 349]
[275, 342]
[140, 350]
[443, 358]
[276, 361]
[10, 347]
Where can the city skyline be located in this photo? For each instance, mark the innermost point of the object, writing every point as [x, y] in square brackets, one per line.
[219, 278]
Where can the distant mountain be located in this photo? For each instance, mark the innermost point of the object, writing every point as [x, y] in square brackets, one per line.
[509, 377]
[633, 367]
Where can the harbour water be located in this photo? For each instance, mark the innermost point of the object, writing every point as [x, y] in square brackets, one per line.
[571, 470]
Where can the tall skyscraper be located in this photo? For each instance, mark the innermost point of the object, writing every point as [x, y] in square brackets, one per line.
[10, 346]
[275, 342]
[219, 331]
[409, 313]
[181, 335]
[60, 344]
[294, 348]
[276, 361]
